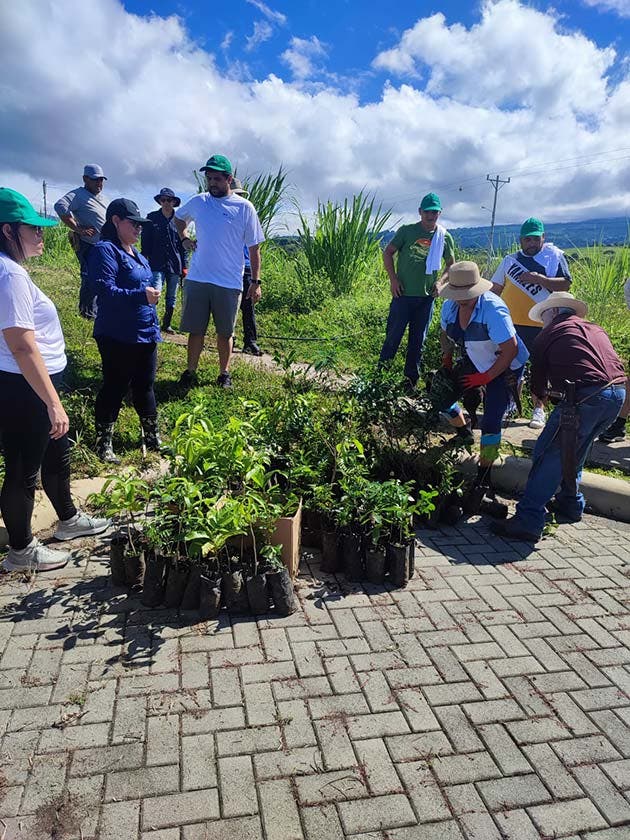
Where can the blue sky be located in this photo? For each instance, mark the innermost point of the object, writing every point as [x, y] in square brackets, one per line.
[350, 31]
[400, 100]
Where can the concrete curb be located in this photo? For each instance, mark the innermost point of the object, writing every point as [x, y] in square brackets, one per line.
[605, 495]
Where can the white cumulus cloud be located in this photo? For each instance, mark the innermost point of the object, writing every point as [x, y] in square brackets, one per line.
[148, 104]
[271, 14]
[620, 7]
[515, 57]
[262, 32]
[302, 56]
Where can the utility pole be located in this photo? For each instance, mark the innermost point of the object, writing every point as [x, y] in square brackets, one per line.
[497, 183]
[44, 191]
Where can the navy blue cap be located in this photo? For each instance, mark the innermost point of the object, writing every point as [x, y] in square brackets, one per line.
[165, 192]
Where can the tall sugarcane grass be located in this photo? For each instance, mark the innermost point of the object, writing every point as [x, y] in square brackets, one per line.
[344, 239]
[268, 194]
[599, 274]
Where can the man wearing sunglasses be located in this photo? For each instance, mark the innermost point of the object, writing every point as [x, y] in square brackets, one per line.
[163, 249]
[83, 211]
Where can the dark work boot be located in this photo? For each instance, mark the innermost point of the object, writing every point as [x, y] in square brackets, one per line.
[251, 348]
[150, 433]
[166, 321]
[615, 432]
[104, 446]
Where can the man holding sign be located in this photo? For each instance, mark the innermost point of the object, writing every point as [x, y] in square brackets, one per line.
[526, 278]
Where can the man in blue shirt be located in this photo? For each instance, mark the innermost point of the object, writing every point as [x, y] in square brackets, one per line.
[478, 321]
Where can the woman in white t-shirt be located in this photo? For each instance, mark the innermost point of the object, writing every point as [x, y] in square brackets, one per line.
[33, 423]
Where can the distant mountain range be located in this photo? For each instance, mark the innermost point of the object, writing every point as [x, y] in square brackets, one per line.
[563, 234]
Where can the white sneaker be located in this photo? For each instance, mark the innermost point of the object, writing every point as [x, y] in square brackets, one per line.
[539, 418]
[81, 525]
[35, 558]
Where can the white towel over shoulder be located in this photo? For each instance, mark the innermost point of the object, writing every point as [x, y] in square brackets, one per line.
[436, 250]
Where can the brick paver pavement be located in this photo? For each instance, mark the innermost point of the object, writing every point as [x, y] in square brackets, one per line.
[489, 700]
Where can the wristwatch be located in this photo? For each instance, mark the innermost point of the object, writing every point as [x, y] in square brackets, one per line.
[256, 282]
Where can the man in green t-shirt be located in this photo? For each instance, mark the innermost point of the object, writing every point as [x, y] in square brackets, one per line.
[421, 248]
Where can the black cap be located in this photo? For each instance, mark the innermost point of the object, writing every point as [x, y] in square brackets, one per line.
[124, 208]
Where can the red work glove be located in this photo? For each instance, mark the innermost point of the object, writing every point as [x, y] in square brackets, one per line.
[474, 380]
[447, 361]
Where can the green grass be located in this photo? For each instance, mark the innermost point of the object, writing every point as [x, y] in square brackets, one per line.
[348, 330]
[83, 376]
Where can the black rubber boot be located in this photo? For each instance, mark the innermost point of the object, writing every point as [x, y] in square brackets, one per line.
[488, 502]
[166, 321]
[104, 446]
[150, 433]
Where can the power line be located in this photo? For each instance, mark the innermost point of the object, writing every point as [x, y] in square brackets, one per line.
[523, 171]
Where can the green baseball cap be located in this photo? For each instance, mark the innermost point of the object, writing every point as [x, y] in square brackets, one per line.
[430, 202]
[532, 227]
[15, 207]
[218, 163]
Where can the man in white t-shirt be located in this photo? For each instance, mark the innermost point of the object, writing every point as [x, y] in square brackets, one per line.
[224, 223]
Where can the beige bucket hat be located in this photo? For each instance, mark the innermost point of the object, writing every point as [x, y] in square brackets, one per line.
[464, 282]
[558, 300]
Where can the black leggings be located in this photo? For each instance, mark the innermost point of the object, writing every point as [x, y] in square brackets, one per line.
[126, 365]
[25, 431]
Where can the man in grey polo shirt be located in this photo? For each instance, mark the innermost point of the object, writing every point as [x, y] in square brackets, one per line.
[83, 211]
[224, 223]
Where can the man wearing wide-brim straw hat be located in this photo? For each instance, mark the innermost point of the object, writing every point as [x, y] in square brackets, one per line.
[568, 349]
[477, 322]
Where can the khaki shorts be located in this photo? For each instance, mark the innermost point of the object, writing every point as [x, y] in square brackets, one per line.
[201, 300]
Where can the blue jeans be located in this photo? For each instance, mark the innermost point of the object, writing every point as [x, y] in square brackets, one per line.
[87, 298]
[172, 282]
[595, 414]
[416, 313]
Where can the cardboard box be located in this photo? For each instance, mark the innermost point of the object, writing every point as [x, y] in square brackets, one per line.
[288, 533]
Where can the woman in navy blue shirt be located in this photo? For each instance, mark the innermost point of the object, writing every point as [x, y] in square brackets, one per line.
[126, 327]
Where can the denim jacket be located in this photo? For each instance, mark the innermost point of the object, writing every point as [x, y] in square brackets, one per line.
[119, 280]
